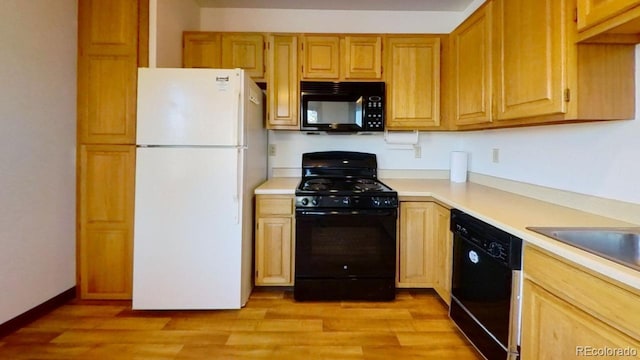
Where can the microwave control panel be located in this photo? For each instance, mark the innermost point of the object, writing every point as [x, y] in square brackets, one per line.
[374, 113]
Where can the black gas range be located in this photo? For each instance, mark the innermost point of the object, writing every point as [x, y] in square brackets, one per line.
[345, 229]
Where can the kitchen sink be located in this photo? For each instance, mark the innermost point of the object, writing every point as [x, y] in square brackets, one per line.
[621, 245]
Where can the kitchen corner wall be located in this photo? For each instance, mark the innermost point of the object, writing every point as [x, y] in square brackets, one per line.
[37, 162]
[173, 17]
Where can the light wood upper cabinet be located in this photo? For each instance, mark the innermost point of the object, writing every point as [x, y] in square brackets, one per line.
[321, 57]
[201, 50]
[472, 60]
[413, 82]
[274, 240]
[245, 51]
[609, 21]
[225, 50]
[108, 27]
[424, 247]
[593, 12]
[107, 65]
[530, 54]
[106, 182]
[566, 310]
[540, 74]
[283, 84]
[363, 57]
[341, 57]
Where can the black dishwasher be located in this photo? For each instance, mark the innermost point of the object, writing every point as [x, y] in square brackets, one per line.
[486, 286]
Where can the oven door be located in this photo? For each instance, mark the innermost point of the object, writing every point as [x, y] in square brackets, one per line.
[345, 243]
[481, 298]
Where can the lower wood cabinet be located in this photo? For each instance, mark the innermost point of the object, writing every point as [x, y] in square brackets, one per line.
[569, 312]
[424, 247]
[105, 239]
[274, 240]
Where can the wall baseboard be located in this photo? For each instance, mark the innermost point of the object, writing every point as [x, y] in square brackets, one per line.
[38, 311]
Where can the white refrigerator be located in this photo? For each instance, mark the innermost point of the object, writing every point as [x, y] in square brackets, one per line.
[201, 151]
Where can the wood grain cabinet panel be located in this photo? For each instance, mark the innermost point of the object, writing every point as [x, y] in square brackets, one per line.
[413, 82]
[424, 253]
[471, 57]
[530, 58]
[593, 12]
[107, 99]
[363, 57]
[106, 183]
[321, 57]
[567, 310]
[274, 246]
[201, 50]
[443, 252]
[108, 27]
[245, 51]
[283, 85]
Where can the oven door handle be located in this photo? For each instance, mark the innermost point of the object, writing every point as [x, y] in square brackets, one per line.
[345, 212]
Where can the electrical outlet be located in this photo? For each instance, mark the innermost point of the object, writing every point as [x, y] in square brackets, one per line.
[495, 155]
[272, 149]
[417, 151]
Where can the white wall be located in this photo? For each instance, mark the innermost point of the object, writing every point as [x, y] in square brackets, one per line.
[434, 148]
[174, 17]
[329, 21]
[37, 161]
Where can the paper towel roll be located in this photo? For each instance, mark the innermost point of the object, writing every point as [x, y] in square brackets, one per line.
[458, 172]
[401, 139]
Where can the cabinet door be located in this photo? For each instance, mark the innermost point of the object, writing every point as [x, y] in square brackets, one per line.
[592, 12]
[107, 64]
[363, 57]
[274, 251]
[321, 56]
[444, 252]
[555, 329]
[471, 53]
[245, 51]
[201, 50]
[105, 245]
[108, 27]
[530, 59]
[413, 82]
[282, 90]
[417, 249]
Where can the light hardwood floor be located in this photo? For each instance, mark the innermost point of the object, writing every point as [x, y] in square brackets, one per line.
[271, 326]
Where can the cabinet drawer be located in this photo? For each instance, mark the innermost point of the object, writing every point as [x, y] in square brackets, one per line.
[615, 305]
[274, 205]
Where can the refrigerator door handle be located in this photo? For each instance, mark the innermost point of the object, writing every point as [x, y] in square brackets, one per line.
[239, 180]
[237, 112]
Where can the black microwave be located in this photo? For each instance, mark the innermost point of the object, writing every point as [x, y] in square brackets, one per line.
[342, 106]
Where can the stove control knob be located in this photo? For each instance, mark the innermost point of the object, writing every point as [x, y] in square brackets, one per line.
[346, 201]
[314, 201]
[304, 201]
[375, 201]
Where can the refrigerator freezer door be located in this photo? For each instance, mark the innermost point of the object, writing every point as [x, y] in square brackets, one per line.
[187, 238]
[198, 107]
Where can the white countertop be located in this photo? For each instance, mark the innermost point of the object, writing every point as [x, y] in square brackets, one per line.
[505, 210]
